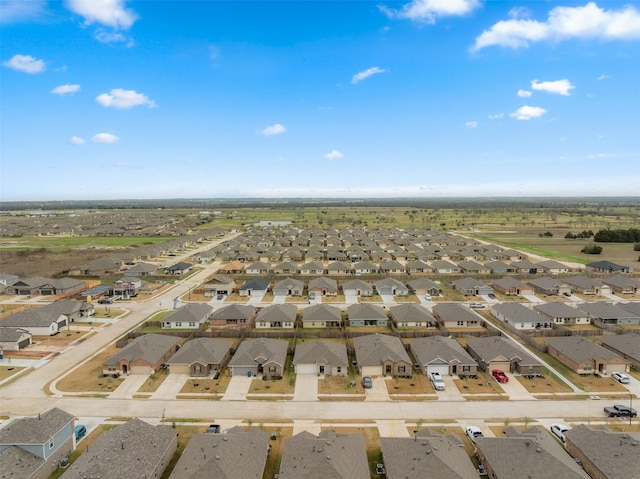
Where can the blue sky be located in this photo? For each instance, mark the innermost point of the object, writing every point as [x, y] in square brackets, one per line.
[113, 99]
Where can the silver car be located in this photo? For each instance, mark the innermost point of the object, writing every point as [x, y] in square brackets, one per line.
[559, 430]
[621, 378]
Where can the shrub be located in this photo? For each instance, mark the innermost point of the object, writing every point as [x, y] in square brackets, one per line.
[592, 249]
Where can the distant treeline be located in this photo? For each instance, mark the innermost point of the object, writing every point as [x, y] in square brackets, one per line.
[631, 235]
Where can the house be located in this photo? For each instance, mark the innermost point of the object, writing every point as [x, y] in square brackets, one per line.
[338, 268]
[496, 352]
[14, 339]
[471, 287]
[391, 287]
[233, 267]
[321, 316]
[178, 268]
[38, 321]
[424, 286]
[520, 317]
[532, 453]
[417, 266]
[128, 288]
[141, 269]
[561, 313]
[135, 450]
[189, 316]
[411, 315]
[442, 355]
[455, 315]
[512, 287]
[32, 447]
[40, 286]
[551, 266]
[622, 284]
[367, 314]
[584, 285]
[201, 357]
[286, 267]
[392, 267]
[277, 316]
[471, 267]
[258, 268]
[444, 267]
[632, 307]
[237, 454]
[254, 287]
[364, 267]
[313, 267]
[549, 286]
[604, 454]
[241, 315]
[381, 355]
[101, 266]
[143, 355]
[219, 284]
[288, 287]
[357, 287]
[327, 455]
[323, 286]
[609, 313]
[500, 267]
[607, 267]
[626, 346]
[586, 357]
[525, 266]
[261, 357]
[322, 358]
[427, 454]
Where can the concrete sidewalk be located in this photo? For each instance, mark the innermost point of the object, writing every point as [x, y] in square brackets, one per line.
[171, 386]
[379, 391]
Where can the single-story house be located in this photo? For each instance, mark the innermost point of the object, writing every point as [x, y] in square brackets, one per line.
[512, 287]
[219, 284]
[239, 454]
[382, 355]
[241, 315]
[38, 321]
[201, 357]
[422, 286]
[520, 317]
[391, 286]
[472, 267]
[608, 267]
[444, 267]
[586, 357]
[322, 358]
[472, 287]
[288, 287]
[14, 339]
[313, 267]
[133, 449]
[549, 286]
[286, 267]
[500, 267]
[277, 316]
[455, 315]
[261, 357]
[323, 286]
[189, 316]
[551, 266]
[411, 315]
[417, 266]
[254, 287]
[442, 355]
[338, 268]
[585, 285]
[143, 355]
[562, 313]
[321, 316]
[357, 287]
[141, 269]
[610, 313]
[622, 284]
[32, 447]
[392, 267]
[258, 267]
[495, 352]
[525, 266]
[40, 286]
[364, 267]
[178, 268]
[625, 345]
[367, 314]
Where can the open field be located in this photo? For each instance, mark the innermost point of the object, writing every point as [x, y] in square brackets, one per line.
[88, 377]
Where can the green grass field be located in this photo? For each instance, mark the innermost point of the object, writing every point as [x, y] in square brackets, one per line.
[61, 243]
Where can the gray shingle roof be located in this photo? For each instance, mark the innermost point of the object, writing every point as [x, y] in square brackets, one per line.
[35, 430]
[373, 349]
[559, 310]
[149, 347]
[322, 312]
[11, 335]
[269, 349]
[203, 351]
[410, 312]
[454, 312]
[579, 349]
[366, 311]
[16, 462]
[321, 352]
[197, 312]
[603, 310]
[277, 313]
[235, 311]
[495, 346]
[628, 344]
[328, 283]
[432, 348]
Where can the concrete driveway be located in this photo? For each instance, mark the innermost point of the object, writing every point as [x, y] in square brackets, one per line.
[379, 391]
[171, 386]
[279, 299]
[306, 387]
[451, 392]
[392, 428]
[238, 388]
[351, 298]
[388, 299]
[533, 298]
[514, 389]
[129, 386]
[257, 299]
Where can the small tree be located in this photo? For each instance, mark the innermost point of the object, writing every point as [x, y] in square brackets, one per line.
[592, 249]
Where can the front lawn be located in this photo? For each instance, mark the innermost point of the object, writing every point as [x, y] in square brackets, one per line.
[88, 377]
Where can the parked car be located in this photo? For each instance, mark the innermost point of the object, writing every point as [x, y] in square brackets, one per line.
[438, 382]
[621, 378]
[491, 296]
[473, 432]
[427, 297]
[476, 305]
[559, 430]
[500, 376]
[367, 382]
[220, 297]
[105, 301]
[567, 294]
[620, 410]
[80, 430]
[213, 429]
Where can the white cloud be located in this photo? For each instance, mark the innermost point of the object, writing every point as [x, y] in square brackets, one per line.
[358, 77]
[559, 87]
[599, 156]
[496, 116]
[20, 10]
[64, 89]
[333, 155]
[276, 129]
[123, 99]
[588, 21]
[109, 37]
[524, 93]
[519, 12]
[76, 140]
[25, 63]
[427, 11]
[471, 124]
[528, 112]
[112, 13]
[602, 77]
[104, 138]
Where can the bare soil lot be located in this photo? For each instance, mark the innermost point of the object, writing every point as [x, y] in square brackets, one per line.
[484, 384]
[88, 377]
[206, 386]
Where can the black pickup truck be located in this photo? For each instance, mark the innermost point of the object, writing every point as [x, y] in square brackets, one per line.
[619, 410]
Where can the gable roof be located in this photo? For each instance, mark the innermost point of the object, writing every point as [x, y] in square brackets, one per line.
[35, 430]
[357, 284]
[203, 351]
[423, 283]
[249, 351]
[373, 349]
[324, 282]
[196, 312]
[579, 349]
[321, 352]
[518, 313]
[11, 335]
[366, 311]
[148, 347]
[256, 283]
[322, 312]
[288, 283]
[410, 312]
[495, 346]
[234, 311]
[604, 310]
[277, 312]
[454, 312]
[627, 344]
[559, 309]
[432, 348]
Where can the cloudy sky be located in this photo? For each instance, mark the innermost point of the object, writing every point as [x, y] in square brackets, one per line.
[113, 99]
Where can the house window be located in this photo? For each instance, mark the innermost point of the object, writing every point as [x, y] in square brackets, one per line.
[192, 324]
[272, 369]
[178, 324]
[339, 369]
[460, 323]
[401, 369]
[466, 369]
[197, 368]
[242, 321]
[51, 443]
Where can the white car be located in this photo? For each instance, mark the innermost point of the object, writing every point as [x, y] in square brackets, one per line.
[559, 430]
[438, 382]
[621, 378]
[473, 432]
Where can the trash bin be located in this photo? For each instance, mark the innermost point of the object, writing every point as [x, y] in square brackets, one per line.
[248, 374]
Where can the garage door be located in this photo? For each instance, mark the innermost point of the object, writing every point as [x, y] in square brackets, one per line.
[443, 370]
[306, 369]
[238, 371]
[371, 370]
[616, 368]
[140, 370]
[504, 365]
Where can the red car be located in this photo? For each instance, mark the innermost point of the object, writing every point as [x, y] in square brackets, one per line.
[500, 376]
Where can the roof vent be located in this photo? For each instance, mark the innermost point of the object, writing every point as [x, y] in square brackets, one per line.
[625, 436]
[634, 443]
[225, 438]
[527, 442]
[328, 457]
[538, 450]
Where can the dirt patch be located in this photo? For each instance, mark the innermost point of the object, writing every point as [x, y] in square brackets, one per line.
[273, 386]
[206, 386]
[543, 385]
[88, 377]
[339, 385]
[483, 384]
[8, 371]
[418, 384]
[43, 262]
